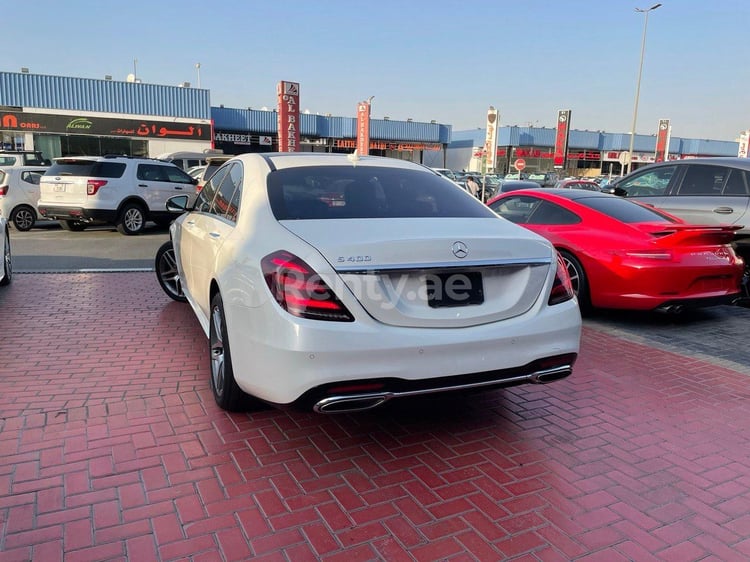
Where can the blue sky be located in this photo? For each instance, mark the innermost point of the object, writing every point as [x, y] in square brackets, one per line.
[442, 60]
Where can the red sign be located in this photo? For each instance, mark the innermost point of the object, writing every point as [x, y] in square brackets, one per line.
[363, 128]
[561, 138]
[662, 141]
[288, 120]
[519, 164]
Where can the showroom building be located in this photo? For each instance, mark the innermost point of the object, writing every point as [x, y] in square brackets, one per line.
[68, 116]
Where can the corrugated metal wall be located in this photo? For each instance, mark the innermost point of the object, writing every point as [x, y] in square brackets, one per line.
[322, 126]
[86, 94]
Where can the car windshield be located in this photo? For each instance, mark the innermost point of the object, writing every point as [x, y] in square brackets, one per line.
[344, 192]
[623, 210]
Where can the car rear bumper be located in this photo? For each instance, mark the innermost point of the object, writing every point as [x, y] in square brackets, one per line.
[77, 214]
[285, 360]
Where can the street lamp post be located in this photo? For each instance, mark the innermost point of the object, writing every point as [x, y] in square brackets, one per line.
[198, 70]
[638, 86]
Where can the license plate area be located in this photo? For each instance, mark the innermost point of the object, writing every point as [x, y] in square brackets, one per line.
[58, 187]
[455, 288]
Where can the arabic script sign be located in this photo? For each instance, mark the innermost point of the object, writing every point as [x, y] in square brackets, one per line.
[77, 125]
[288, 94]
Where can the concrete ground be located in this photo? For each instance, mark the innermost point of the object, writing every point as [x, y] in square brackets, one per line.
[111, 448]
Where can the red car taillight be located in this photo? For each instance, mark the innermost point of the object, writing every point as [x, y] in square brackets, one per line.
[300, 291]
[92, 186]
[562, 288]
[3, 190]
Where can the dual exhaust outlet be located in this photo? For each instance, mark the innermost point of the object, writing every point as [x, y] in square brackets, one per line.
[367, 401]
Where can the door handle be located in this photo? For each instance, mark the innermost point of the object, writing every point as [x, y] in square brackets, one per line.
[191, 223]
[214, 235]
[178, 188]
[724, 210]
[142, 185]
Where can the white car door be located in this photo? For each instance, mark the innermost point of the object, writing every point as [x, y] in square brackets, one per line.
[158, 182]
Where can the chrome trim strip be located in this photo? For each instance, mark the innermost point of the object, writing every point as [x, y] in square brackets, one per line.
[385, 268]
[379, 398]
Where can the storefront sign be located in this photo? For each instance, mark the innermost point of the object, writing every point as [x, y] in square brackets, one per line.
[102, 126]
[288, 121]
[662, 141]
[363, 128]
[742, 152]
[380, 145]
[561, 138]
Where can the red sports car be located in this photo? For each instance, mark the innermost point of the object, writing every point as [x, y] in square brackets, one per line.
[623, 254]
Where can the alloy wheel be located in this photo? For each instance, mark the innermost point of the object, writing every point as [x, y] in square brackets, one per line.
[217, 350]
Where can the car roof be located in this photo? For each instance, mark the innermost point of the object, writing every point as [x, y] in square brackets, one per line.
[572, 194]
[734, 161]
[281, 160]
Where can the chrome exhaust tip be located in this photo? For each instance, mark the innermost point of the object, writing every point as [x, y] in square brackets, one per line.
[344, 404]
[551, 375]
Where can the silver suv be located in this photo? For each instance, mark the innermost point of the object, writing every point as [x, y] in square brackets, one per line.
[698, 190]
[118, 190]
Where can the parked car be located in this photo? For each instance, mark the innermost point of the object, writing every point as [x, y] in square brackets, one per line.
[406, 286]
[544, 179]
[513, 185]
[622, 254]
[450, 174]
[698, 190]
[22, 158]
[119, 190]
[516, 176]
[213, 163]
[19, 194]
[7, 271]
[186, 159]
[578, 184]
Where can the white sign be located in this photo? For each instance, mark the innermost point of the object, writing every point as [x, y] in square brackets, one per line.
[490, 143]
[744, 139]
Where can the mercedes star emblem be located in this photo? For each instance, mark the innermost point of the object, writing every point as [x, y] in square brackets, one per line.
[460, 250]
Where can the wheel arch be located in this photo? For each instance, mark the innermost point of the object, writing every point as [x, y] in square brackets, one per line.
[134, 199]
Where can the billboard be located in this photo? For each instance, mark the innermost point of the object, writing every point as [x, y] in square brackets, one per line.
[662, 141]
[363, 128]
[744, 140]
[490, 141]
[288, 119]
[561, 138]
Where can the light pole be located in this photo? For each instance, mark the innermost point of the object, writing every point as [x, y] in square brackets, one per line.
[638, 86]
[198, 69]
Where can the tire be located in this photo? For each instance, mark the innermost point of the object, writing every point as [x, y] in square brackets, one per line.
[132, 219]
[7, 262]
[227, 394]
[167, 272]
[578, 279]
[73, 226]
[23, 218]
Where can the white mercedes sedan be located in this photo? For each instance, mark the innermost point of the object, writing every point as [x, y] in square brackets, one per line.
[336, 283]
[6, 273]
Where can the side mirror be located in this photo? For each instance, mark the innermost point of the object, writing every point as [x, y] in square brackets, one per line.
[178, 204]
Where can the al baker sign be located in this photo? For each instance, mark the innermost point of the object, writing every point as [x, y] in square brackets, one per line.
[288, 94]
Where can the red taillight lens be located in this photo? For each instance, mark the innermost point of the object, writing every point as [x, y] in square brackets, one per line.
[300, 291]
[562, 288]
[3, 190]
[92, 186]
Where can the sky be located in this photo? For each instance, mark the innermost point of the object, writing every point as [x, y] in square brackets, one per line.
[443, 60]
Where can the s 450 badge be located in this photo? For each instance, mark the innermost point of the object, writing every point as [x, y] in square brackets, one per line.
[354, 259]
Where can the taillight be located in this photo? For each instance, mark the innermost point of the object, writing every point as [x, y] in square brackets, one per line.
[3, 190]
[300, 291]
[562, 288]
[92, 186]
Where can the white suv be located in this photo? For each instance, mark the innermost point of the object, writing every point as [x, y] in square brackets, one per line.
[19, 194]
[119, 190]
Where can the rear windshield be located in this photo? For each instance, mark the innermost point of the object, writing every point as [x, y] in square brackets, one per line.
[623, 210]
[345, 192]
[88, 168]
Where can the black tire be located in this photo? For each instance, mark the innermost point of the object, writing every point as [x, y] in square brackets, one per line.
[227, 394]
[163, 223]
[73, 226]
[7, 262]
[132, 219]
[578, 279]
[167, 272]
[23, 218]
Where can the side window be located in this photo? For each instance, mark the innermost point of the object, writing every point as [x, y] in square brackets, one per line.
[151, 172]
[108, 170]
[226, 202]
[31, 177]
[175, 175]
[206, 196]
[737, 183]
[516, 209]
[651, 182]
[701, 179]
[550, 213]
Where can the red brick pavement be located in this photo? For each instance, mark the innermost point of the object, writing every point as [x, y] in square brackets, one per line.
[111, 448]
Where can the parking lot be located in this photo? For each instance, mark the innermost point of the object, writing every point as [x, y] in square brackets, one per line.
[112, 448]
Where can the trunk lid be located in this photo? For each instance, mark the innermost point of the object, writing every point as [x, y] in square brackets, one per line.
[434, 272]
